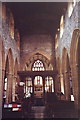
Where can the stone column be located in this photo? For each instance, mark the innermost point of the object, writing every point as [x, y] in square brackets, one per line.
[63, 77]
[55, 86]
[76, 86]
[56, 83]
[14, 88]
[1, 92]
[33, 84]
[59, 89]
[9, 88]
[25, 86]
[3, 74]
[62, 85]
[43, 85]
[67, 86]
[1, 82]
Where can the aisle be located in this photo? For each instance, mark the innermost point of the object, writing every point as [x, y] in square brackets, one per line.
[38, 111]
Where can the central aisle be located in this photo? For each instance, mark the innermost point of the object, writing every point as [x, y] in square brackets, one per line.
[38, 111]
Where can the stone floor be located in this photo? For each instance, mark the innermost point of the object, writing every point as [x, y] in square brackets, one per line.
[38, 111]
[49, 109]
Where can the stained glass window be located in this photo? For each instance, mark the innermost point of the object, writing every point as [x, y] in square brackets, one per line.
[38, 66]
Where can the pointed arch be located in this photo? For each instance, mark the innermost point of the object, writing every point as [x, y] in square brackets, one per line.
[9, 75]
[66, 71]
[38, 56]
[32, 54]
[75, 63]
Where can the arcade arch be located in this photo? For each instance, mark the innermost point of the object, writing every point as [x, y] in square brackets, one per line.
[8, 77]
[66, 81]
[75, 66]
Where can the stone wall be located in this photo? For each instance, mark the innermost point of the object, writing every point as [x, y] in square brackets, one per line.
[67, 53]
[33, 44]
[70, 24]
[11, 51]
[8, 42]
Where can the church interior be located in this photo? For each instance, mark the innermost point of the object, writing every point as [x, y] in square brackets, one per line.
[39, 60]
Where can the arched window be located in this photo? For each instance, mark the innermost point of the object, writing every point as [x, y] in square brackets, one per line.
[28, 87]
[38, 66]
[38, 80]
[49, 84]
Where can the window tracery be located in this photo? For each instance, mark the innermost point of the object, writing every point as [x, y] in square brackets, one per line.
[38, 66]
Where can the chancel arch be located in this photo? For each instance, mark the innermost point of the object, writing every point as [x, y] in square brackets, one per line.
[40, 57]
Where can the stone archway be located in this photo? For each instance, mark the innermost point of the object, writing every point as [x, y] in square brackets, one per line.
[41, 57]
[66, 74]
[31, 55]
[75, 66]
[9, 62]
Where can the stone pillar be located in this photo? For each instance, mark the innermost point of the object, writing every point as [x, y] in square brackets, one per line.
[76, 86]
[78, 66]
[1, 82]
[9, 89]
[62, 86]
[33, 84]
[57, 86]
[63, 77]
[67, 86]
[14, 88]
[56, 83]
[1, 92]
[59, 89]
[3, 74]
[25, 86]
[43, 85]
